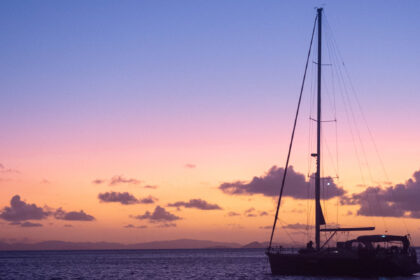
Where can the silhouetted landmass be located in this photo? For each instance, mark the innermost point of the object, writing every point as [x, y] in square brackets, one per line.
[170, 244]
[255, 245]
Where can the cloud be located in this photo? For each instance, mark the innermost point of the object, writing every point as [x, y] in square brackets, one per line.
[148, 200]
[60, 214]
[26, 224]
[250, 210]
[3, 169]
[166, 225]
[29, 224]
[232, 214]
[190, 165]
[117, 180]
[98, 181]
[68, 225]
[124, 198]
[133, 226]
[394, 201]
[263, 213]
[150, 187]
[266, 227]
[159, 215]
[22, 211]
[269, 185]
[297, 226]
[196, 203]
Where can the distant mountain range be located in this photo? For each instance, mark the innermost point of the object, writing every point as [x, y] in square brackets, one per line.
[169, 244]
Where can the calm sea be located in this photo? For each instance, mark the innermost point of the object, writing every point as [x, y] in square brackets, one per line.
[140, 264]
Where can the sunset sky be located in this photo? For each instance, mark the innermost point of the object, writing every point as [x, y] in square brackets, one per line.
[133, 121]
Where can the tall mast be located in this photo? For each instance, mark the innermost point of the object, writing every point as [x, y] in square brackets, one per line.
[318, 213]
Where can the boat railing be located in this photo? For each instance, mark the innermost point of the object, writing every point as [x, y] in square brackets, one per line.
[282, 250]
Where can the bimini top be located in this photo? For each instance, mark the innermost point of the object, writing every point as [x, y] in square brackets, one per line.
[383, 238]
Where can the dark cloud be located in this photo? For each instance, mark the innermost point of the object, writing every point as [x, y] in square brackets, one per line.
[22, 211]
[98, 181]
[394, 201]
[251, 215]
[148, 200]
[232, 214]
[117, 180]
[196, 203]
[15, 223]
[158, 215]
[190, 165]
[60, 214]
[120, 197]
[297, 226]
[269, 185]
[29, 224]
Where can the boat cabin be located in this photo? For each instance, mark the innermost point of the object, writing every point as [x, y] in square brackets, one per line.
[394, 243]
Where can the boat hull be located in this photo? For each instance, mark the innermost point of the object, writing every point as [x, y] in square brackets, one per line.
[340, 265]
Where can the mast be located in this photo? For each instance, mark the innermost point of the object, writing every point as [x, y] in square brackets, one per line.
[318, 213]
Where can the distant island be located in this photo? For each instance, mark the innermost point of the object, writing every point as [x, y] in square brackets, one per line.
[167, 244]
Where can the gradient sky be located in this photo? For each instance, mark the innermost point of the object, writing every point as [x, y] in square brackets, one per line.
[185, 96]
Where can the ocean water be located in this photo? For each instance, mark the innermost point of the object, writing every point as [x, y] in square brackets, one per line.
[141, 264]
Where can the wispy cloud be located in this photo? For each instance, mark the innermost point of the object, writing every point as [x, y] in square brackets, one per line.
[297, 226]
[148, 200]
[265, 227]
[196, 203]
[133, 226]
[4, 169]
[98, 181]
[30, 224]
[166, 225]
[232, 214]
[117, 180]
[190, 165]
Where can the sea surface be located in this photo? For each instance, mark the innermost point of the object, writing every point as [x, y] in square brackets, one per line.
[142, 264]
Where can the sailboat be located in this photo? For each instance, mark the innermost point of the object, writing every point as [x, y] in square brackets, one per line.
[360, 257]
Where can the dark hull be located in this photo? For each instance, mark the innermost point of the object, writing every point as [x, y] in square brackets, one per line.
[341, 265]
